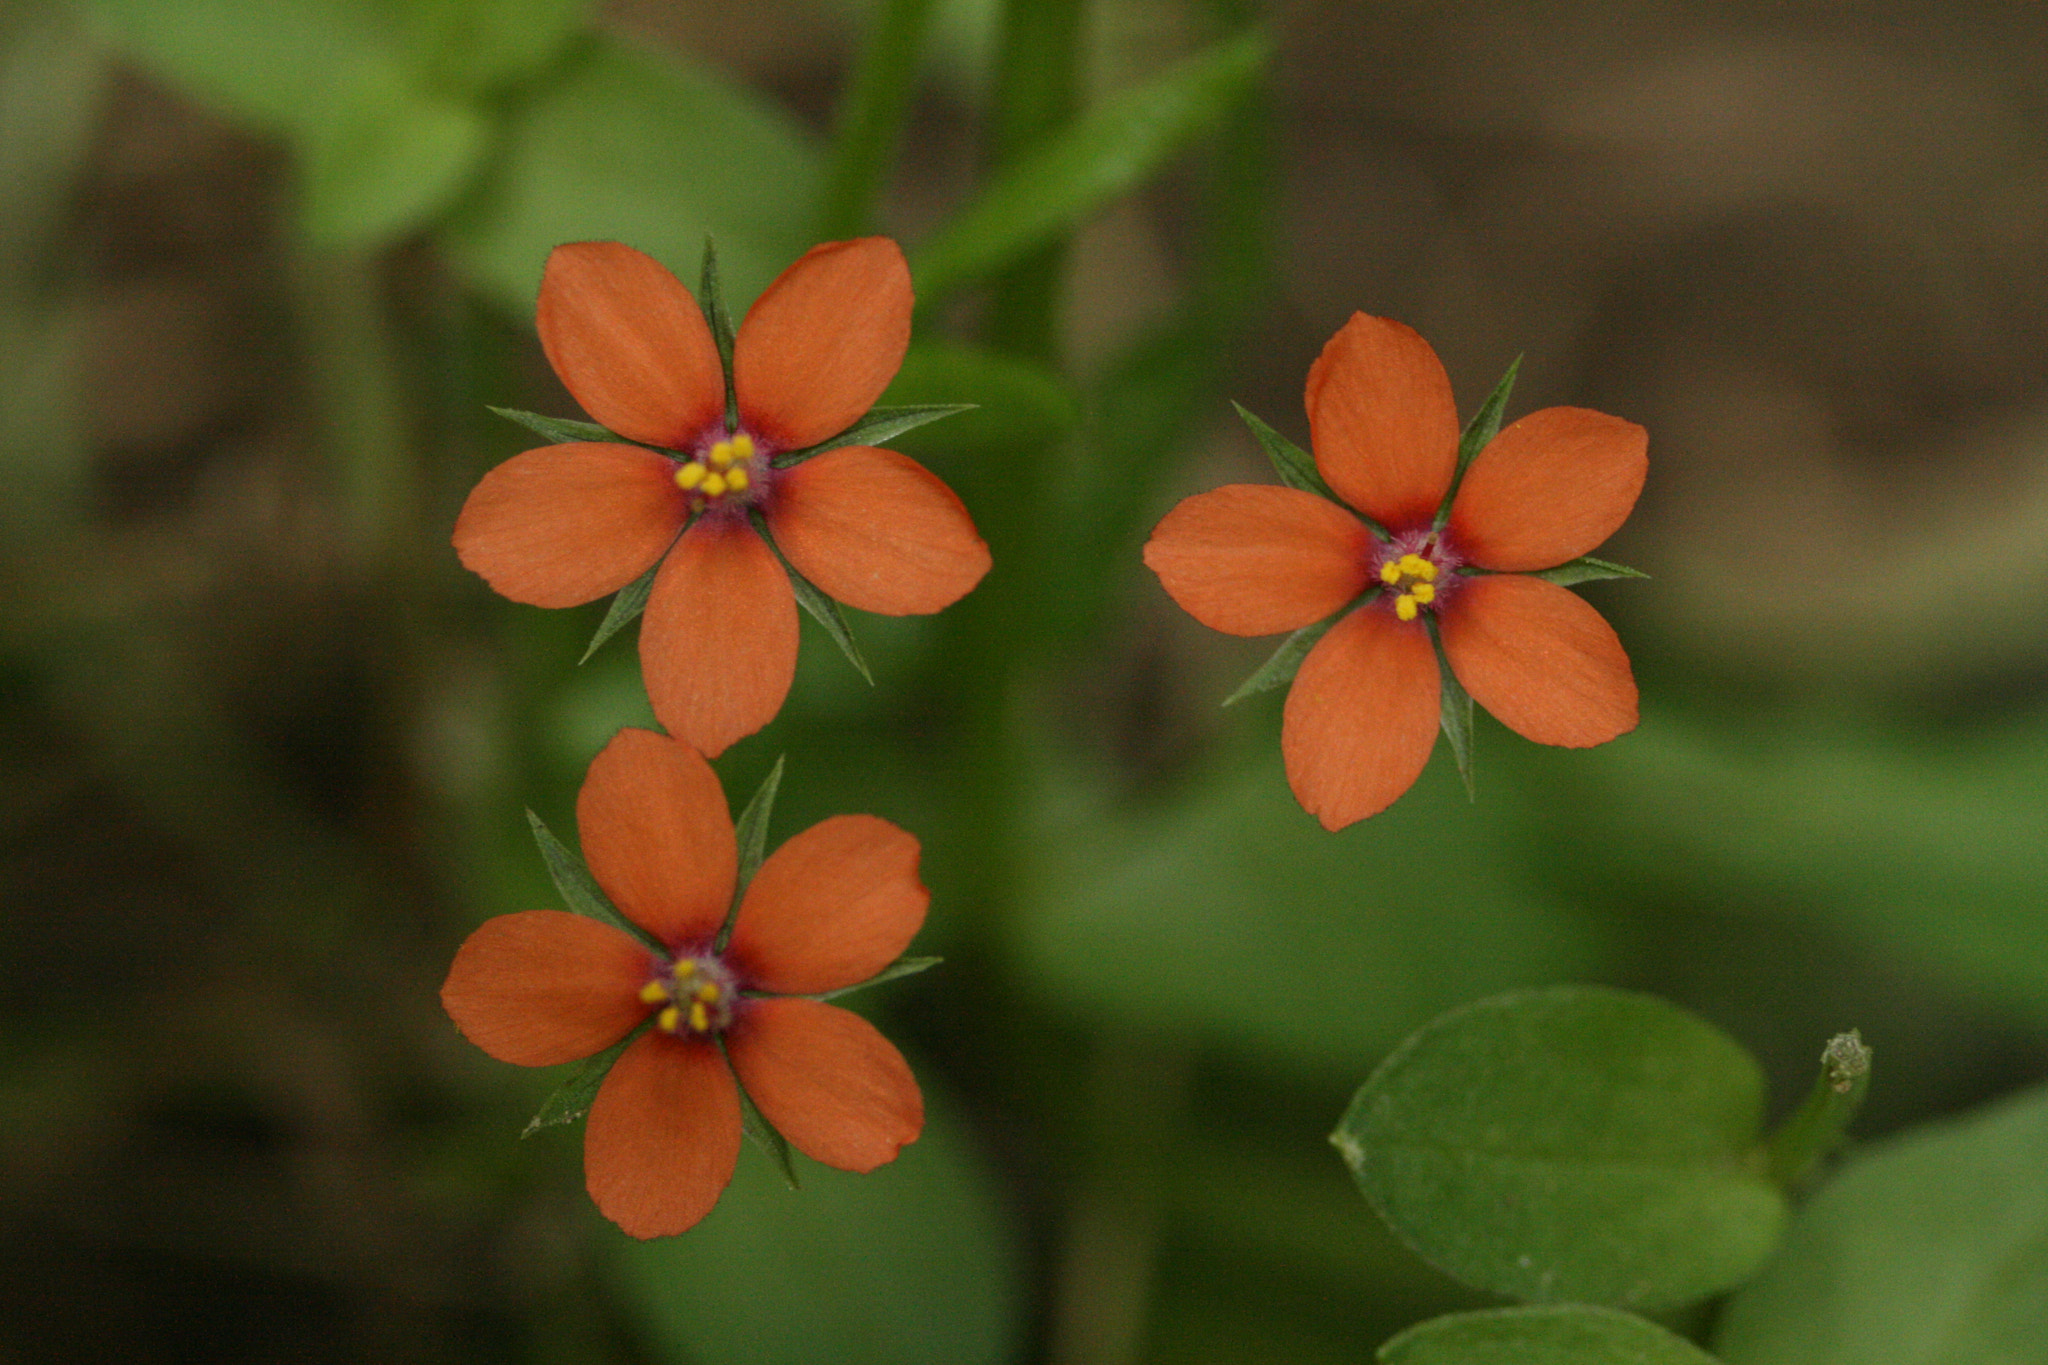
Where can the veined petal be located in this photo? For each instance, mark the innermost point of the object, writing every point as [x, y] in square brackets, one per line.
[544, 987]
[718, 644]
[630, 343]
[1549, 488]
[1257, 559]
[663, 1135]
[563, 525]
[1383, 422]
[877, 531]
[1541, 659]
[819, 346]
[1361, 717]
[658, 837]
[830, 908]
[826, 1078]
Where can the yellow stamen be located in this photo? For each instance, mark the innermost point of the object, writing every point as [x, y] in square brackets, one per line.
[1423, 592]
[736, 481]
[721, 454]
[709, 992]
[669, 1018]
[1415, 566]
[1404, 606]
[714, 485]
[689, 476]
[742, 446]
[1390, 572]
[653, 993]
[699, 1019]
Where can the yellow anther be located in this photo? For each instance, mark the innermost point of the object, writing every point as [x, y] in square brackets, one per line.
[689, 476]
[653, 993]
[721, 454]
[1404, 606]
[1390, 572]
[668, 1019]
[742, 446]
[1424, 592]
[700, 1020]
[1415, 566]
[685, 965]
[714, 485]
[736, 480]
[709, 992]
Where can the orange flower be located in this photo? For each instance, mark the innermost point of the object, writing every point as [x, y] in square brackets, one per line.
[1364, 709]
[567, 524]
[829, 909]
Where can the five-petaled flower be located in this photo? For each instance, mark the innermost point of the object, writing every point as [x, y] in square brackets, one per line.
[567, 524]
[829, 909]
[1364, 709]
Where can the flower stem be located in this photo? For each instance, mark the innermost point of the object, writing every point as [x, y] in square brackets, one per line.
[1794, 1152]
[870, 118]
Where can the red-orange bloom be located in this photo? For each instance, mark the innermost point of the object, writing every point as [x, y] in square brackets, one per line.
[567, 524]
[829, 909]
[1363, 712]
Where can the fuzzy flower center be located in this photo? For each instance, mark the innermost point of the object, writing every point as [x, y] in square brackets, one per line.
[1416, 571]
[722, 472]
[695, 996]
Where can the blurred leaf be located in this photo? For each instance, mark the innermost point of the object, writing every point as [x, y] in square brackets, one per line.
[1295, 466]
[1573, 1143]
[1231, 913]
[561, 430]
[914, 1262]
[387, 158]
[902, 966]
[580, 891]
[1279, 670]
[571, 1100]
[1104, 154]
[641, 148]
[881, 424]
[477, 45]
[1586, 569]
[1570, 1334]
[627, 603]
[1016, 405]
[1928, 1249]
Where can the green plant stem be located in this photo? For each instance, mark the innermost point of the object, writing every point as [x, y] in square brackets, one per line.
[1792, 1154]
[1037, 77]
[870, 118]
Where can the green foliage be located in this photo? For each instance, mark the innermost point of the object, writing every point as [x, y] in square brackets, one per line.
[1573, 1143]
[627, 604]
[1930, 1249]
[881, 424]
[1280, 668]
[902, 966]
[823, 609]
[1295, 466]
[1455, 708]
[580, 891]
[571, 1100]
[1483, 427]
[561, 430]
[1566, 1334]
[1587, 569]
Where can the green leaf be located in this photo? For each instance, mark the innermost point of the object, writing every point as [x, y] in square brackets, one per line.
[571, 1100]
[1017, 405]
[711, 299]
[477, 46]
[1279, 670]
[918, 1261]
[881, 424]
[1455, 710]
[1104, 154]
[389, 157]
[1568, 1334]
[902, 966]
[822, 608]
[1928, 1249]
[752, 828]
[1295, 466]
[1574, 1143]
[627, 603]
[561, 430]
[1586, 569]
[580, 891]
[768, 1138]
[1483, 427]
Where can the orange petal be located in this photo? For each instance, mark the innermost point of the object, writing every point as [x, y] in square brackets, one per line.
[877, 531]
[1549, 488]
[828, 1079]
[663, 1135]
[817, 349]
[831, 907]
[657, 836]
[1383, 422]
[718, 646]
[1361, 717]
[630, 343]
[562, 525]
[1255, 559]
[543, 987]
[1541, 659]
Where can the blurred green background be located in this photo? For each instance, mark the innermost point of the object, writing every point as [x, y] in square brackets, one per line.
[267, 746]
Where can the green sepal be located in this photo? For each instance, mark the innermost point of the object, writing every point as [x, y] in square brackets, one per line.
[580, 891]
[571, 1100]
[627, 603]
[822, 608]
[1295, 466]
[1586, 569]
[712, 301]
[751, 833]
[1484, 426]
[902, 966]
[765, 1135]
[561, 430]
[1279, 670]
[879, 425]
[1456, 713]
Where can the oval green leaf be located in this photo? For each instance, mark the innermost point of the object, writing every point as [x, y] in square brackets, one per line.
[1567, 1334]
[1575, 1143]
[1930, 1249]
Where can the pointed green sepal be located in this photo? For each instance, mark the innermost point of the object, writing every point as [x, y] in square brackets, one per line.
[822, 608]
[881, 424]
[1484, 426]
[767, 1137]
[1456, 713]
[751, 832]
[1295, 466]
[627, 603]
[1279, 670]
[902, 966]
[579, 890]
[712, 300]
[571, 1100]
[1586, 569]
[561, 430]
